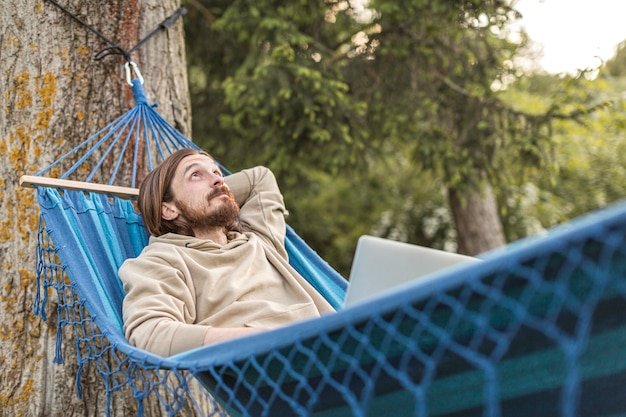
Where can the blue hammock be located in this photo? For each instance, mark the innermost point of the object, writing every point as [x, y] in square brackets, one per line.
[538, 329]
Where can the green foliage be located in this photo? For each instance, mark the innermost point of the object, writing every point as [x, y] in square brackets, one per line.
[393, 198]
[433, 79]
[290, 114]
[369, 117]
[274, 97]
[589, 150]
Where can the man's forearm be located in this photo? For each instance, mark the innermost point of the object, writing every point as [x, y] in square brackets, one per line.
[222, 334]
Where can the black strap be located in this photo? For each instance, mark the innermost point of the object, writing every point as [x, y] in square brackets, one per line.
[115, 49]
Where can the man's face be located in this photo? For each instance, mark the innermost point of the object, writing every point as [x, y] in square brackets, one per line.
[200, 195]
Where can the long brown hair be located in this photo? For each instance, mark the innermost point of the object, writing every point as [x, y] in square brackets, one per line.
[155, 190]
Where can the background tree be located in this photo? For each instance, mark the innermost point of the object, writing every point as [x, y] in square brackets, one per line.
[54, 95]
[263, 90]
[588, 152]
[431, 79]
[331, 96]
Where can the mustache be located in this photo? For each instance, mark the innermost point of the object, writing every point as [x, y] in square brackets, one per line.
[218, 191]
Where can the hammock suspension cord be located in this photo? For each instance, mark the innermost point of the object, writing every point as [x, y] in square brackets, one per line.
[115, 49]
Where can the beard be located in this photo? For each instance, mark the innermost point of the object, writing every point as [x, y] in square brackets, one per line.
[225, 214]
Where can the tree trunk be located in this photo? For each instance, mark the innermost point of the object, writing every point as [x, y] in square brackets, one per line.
[478, 224]
[54, 95]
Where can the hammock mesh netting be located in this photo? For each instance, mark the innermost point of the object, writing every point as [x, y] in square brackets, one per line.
[536, 329]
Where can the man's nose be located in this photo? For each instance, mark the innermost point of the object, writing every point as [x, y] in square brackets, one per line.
[217, 180]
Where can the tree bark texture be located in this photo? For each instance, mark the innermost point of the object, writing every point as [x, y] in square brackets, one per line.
[55, 95]
[478, 224]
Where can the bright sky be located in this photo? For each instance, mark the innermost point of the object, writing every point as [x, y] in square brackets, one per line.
[574, 33]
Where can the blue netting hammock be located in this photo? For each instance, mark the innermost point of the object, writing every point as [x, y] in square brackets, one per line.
[536, 330]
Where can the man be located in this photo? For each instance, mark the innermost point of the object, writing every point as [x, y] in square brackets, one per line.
[216, 267]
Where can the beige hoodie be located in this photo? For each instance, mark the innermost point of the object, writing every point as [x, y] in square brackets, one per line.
[179, 286]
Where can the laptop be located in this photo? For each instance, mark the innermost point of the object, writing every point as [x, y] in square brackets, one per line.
[381, 265]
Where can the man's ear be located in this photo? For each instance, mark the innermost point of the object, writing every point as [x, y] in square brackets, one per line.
[169, 211]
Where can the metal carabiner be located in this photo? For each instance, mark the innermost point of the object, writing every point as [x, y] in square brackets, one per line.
[135, 69]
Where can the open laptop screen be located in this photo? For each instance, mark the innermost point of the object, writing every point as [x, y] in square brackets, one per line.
[380, 265]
